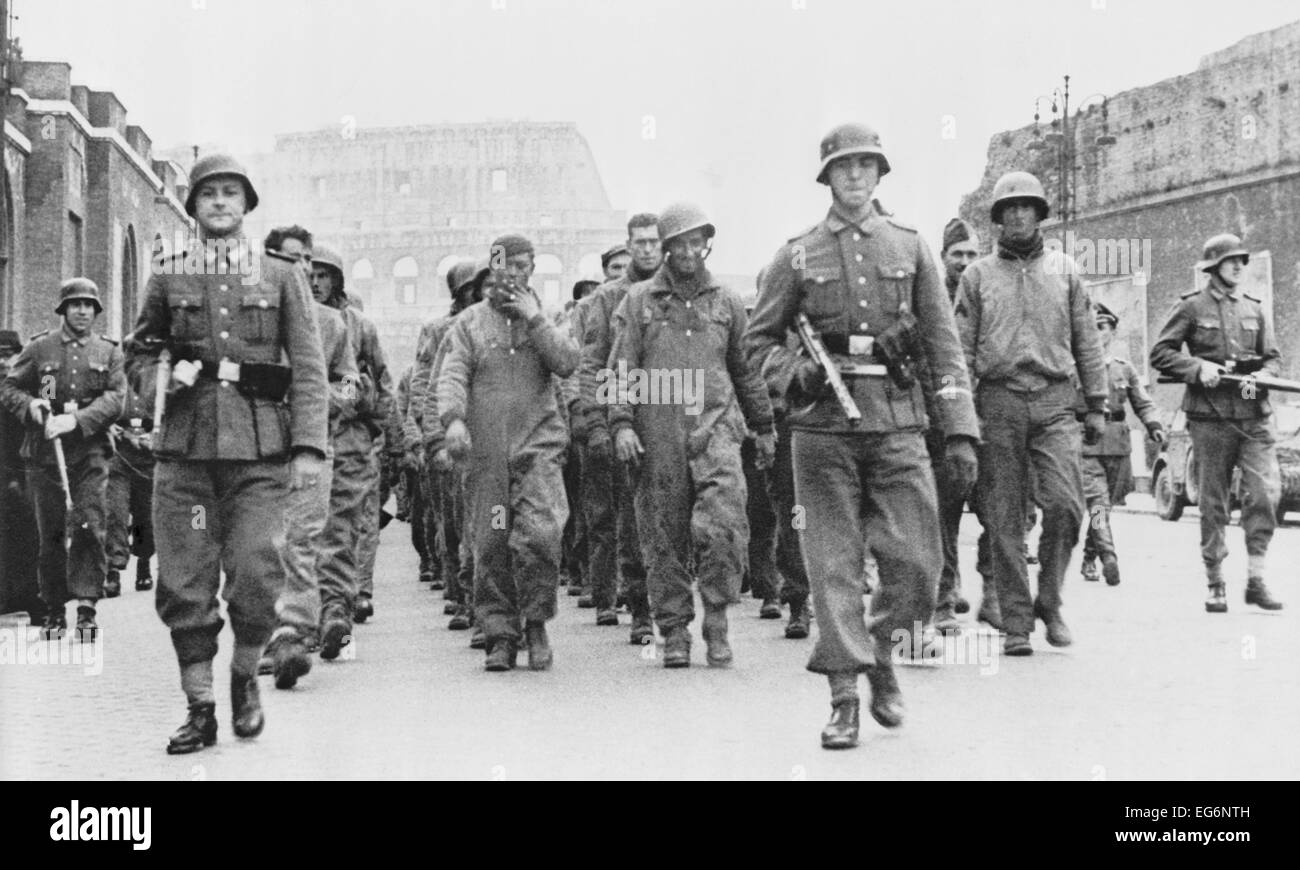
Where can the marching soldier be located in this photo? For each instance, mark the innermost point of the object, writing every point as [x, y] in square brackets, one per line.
[690, 487]
[1027, 329]
[354, 489]
[1106, 466]
[67, 384]
[19, 541]
[234, 416]
[496, 402]
[868, 284]
[129, 499]
[1226, 329]
[610, 489]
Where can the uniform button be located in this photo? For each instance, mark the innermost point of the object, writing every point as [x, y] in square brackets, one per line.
[224, 287]
[857, 237]
[901, 273]
[688, 333]
[225, 383]
[688, 303]
[859, 258]
[862, 303]
[821, 279]
[225, 335]
[262, 303]
[862, 279]
[225, 311]
[863, 326]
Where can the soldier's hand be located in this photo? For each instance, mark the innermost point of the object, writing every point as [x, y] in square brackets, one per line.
[305, 470]
[1094, 426]
[765, 445]
[811, 378]
[1157, 432]
[598, 442]
[960, 464]
[38, 408]
[522, 306]
[59, 424]
[457, 440]
[442, 460]
[1209, 374]
[185, 372]
[627, 447]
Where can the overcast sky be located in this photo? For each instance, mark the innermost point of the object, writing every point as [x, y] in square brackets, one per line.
[740, 92]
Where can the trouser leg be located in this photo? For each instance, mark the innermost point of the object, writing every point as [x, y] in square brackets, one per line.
[187, 522]
[765, 583]
[1003, 482]
[789, 519]
[719, 525]
[598, 503]
[1054, 445]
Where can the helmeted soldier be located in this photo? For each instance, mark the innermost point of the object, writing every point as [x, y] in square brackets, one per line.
[19, 540]
[129, 499]
[234, 415]
[68, 384]
[1028, 333]
[496, 400]
[868, 284]
[1107, 470]
[1226, 329]
[682, 325]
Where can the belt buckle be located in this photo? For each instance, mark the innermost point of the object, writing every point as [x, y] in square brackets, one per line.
[861, 345]
[69, 407]
[137, 423]
[227, 371]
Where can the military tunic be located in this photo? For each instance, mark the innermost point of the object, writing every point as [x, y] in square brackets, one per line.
[498, 375]
[222, 475]
[866, 484]
[81, 375]
[1229, 426]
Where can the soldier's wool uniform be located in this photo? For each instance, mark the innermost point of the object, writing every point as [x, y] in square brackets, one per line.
[222, 473]
[81, 375]
[413, 496]
[129, 501]
[387, 450]
[498, 377]
[865, 484]
[19, 539]
[446, 484]
[690, 486]
[1228, 425]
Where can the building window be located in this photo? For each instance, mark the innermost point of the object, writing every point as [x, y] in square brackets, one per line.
[318, 185]
[405, 274]
[76, 238]
[498, 181]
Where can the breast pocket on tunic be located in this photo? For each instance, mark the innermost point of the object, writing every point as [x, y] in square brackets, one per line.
[824, 296]
[48, 381]
[96, 381]
[1207, 337]
[189, 322]
[1250, 334]
[259, 316]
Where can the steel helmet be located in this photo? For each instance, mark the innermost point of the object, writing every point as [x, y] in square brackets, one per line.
[461, 275]
[324, 255]
[1018, 185]
[212, 166]
[78, 288]
[1219, 248]
[682, 217]
[851, 139]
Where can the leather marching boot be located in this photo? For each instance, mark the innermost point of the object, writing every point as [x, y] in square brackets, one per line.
[290, 661]
[460, 620]
[449, 608]
[143, 579]
[1257, 594]
[113, 583]
[886, 697]
[677, 648]
[717, 648]
[1217, 602]
[1110, 569]
[540, 654]
[1089, 569]
[961, 606]
[800, 620]
[586, 599]
[335, 635]
[87, 631]
[55, 625]
[771, 609]
[245, 705]
[643, 631]
[945, 620]
[363, 609]
[606, 616]
[842, 731]
[1058, 633]
[477, 639]
[198, 730]
[501, 657]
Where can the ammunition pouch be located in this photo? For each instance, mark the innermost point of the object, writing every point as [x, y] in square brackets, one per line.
[265, 380]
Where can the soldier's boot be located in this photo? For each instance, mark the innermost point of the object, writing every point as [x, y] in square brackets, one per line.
[1017, 645]
[1110, 568]
[575, 586]
[54, 626]
[586, 600]
[113, 583]
[460, 620]
[677, 648]
[945, 620]
[87, 631]
[1089, 569]
[245, 705]
[1257, 594]
[143, 579]
[450, 608]
[1030, 558]
[363, 609]
[540, 654]
[1217, 601]
[842, 731]
[336, 633]
[717, 650]
[607, 616]
[477, 639]
[990, 612]
[800, 619]
[961, 606]
[1058, 633]
[501, 657]
[290, 661]
[886, 697]
[197, 731]
[771, 608]
[643, 631]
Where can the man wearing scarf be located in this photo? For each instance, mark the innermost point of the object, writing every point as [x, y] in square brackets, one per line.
[1026, 327]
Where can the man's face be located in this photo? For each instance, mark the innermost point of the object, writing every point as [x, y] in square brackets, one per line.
[618, 264]
[298, 251]
[958, 256]
[518, 269]
[647, 251]
[853, 180]
[1106, 332]
[79, 314]
[1231, 271]
[1019, 220]
[219, 206]
[322, 282]
[685, 253]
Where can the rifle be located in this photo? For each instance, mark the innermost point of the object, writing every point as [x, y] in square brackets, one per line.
[1282, 385]
[162, 378]
[817, 351]
[63, 466]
